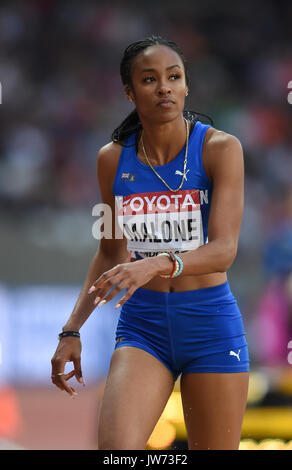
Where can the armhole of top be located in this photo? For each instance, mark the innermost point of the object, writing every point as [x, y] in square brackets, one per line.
[115, 183]
[203, 135]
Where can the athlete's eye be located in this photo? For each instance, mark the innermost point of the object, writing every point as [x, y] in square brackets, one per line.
[175, 76]
[148, 79]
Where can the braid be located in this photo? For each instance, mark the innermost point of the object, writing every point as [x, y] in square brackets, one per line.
[129, 125]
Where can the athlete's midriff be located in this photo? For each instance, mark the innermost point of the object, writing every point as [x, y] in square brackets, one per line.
[184, 283]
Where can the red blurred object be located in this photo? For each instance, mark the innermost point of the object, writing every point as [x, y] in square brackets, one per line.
[10, 414]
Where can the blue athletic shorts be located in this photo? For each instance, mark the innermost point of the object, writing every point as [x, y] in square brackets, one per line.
[198, 330]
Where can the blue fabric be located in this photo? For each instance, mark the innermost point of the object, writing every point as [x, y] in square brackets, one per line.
[134, 178]
[199, 330]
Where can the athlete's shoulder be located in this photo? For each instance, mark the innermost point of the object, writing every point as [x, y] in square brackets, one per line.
[221, 148]
[217, 140]
[107, 162]
[110, 151]
[108, 157]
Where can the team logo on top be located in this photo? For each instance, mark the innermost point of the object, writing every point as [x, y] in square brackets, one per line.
[161, 220]
[178, 172]
[128, 176]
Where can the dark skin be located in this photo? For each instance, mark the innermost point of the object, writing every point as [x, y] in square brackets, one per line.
[158, 73]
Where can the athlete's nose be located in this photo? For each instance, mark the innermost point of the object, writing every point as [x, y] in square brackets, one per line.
[164, 90]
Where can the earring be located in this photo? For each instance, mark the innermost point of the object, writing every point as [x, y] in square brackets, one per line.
[187, 93]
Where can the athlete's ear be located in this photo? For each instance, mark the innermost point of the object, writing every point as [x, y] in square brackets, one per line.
[129, 93]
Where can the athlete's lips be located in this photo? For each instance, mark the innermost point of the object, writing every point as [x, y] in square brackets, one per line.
[165, 102]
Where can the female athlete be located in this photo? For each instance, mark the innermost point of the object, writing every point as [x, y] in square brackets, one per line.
[175, 187]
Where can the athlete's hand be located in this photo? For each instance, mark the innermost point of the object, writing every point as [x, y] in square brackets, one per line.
[128, 276]
[68, 350]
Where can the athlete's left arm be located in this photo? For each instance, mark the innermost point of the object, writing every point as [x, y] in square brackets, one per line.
[224, 164]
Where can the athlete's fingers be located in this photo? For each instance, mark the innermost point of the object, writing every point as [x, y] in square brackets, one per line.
[65, 377]
[59, 378]
[69, 375]
[126, 297]
[58, 366]
[102, 278]
[57, 385]
[78, 371]
[119, 287]
[110, 283]
[60, 382]
[66, 388]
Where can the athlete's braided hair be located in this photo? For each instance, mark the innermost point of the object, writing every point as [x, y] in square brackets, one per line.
[132, 122]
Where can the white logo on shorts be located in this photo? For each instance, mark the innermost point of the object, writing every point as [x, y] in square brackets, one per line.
[232, 353]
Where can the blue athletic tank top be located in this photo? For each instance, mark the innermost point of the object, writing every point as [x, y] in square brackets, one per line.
[153, 218]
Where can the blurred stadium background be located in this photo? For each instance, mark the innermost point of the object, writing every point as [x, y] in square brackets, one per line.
[61, 99]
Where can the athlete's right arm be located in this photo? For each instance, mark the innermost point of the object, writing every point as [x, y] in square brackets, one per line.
[110, 252]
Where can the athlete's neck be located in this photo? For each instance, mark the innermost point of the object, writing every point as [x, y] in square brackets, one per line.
[162, 142]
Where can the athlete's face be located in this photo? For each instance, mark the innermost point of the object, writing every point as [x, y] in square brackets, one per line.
[158, 84]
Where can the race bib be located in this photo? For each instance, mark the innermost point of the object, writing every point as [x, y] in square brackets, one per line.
[162, 221]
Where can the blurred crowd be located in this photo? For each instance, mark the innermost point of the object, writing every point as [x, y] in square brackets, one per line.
[62, 97]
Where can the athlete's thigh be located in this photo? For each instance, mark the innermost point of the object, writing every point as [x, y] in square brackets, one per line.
[214, 406]
[137, 389]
